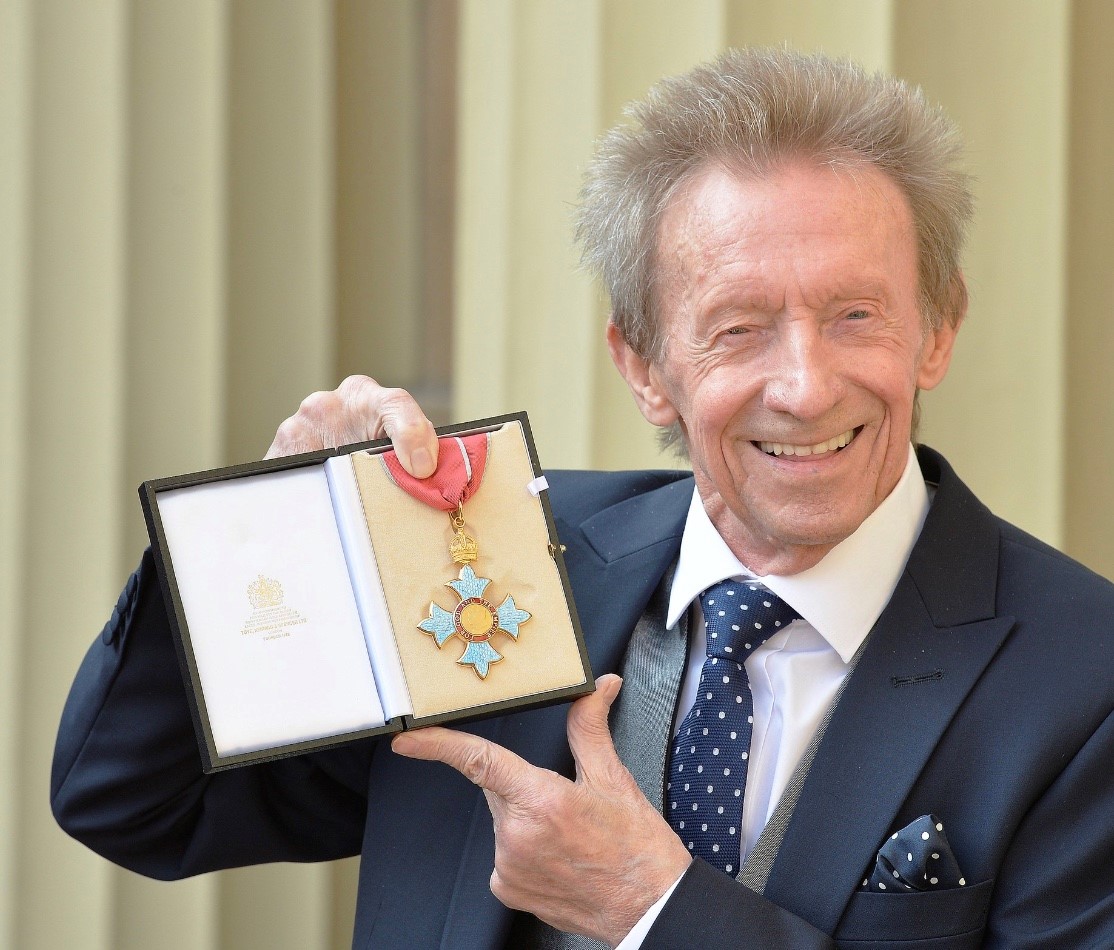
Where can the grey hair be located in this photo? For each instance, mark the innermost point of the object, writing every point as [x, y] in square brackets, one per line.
[754, 110]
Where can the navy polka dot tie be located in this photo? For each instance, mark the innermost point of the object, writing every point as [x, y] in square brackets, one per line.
[708, 769]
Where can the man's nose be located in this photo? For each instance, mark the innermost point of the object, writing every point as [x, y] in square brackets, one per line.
[803, 377]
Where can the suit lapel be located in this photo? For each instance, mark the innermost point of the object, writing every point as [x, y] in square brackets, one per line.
[925, 654]
[615, 560]
[876, 745]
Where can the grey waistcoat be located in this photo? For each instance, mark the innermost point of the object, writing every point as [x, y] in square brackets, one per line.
[641, 725]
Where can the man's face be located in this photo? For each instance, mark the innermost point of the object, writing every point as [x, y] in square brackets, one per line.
[794, 348]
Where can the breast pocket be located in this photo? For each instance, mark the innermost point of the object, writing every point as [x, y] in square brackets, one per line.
[952, 919]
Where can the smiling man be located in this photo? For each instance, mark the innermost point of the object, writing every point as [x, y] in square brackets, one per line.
[856, 709]
[792, 348]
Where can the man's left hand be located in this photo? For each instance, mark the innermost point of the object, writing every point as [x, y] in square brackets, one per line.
[588, 857]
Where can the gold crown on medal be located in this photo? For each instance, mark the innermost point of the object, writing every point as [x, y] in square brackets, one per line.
[264, 592]
[463, 549]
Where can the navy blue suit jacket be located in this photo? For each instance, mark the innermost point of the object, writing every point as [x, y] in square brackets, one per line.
[1010, 741]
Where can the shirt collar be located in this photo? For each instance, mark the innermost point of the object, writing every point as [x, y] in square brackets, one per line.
[841, 596]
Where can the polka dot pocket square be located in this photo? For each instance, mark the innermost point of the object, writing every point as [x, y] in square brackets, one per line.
[916, 858]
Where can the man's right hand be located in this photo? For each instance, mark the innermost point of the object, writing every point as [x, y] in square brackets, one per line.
[359, 410]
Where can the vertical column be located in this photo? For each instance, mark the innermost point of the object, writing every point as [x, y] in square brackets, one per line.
[175, 335]
[280, 216]
[280, 326]
[438, 82]
[526, 318]
[396, 126]
[276, 907]
[642, 42]
[378, 209]
[73, 432]
[344, 885]
[1088, 455]
[482, 239]
[15, 120]
[1007, 88]
[176, 246]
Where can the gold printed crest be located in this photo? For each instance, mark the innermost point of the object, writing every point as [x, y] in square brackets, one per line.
[269, 617]
[264, 592]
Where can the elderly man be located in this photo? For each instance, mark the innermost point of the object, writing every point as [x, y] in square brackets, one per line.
[857, 709]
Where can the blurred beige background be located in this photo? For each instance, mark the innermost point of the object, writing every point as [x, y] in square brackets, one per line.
[209, 209]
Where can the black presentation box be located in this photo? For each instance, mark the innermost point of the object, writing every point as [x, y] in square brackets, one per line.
[316, 600]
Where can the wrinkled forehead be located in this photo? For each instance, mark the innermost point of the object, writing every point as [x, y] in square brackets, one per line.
[773, 176]
[720, 217]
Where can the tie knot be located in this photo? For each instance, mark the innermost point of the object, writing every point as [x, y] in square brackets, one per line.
[740, 616]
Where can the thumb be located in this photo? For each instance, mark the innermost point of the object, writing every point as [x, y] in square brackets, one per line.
[589, 735]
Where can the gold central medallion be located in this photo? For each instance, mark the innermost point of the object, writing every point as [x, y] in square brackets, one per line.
[476, 619]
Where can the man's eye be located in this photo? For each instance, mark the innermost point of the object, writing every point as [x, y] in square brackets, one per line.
[737, 331]
[858, 315]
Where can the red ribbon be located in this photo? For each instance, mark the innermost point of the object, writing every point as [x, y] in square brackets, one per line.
[454, 480]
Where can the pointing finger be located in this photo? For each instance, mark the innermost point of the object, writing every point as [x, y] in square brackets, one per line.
[483, 763]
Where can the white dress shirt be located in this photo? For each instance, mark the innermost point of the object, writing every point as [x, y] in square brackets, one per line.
[796, 673]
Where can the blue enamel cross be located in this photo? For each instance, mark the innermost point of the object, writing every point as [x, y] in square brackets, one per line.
[475, 621]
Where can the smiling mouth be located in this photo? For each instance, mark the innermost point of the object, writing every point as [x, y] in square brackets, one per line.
[820, 448]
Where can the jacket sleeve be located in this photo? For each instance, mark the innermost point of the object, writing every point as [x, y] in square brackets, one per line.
[709, 909]
[127, 778]
[1055, 887]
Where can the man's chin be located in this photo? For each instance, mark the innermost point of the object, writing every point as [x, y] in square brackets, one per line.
[812, 537]
[819, 531]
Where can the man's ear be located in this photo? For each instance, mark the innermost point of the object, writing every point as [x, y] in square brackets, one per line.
[644, 379]
[936, 352]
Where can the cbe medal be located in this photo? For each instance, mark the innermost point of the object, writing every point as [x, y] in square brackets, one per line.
[474, 619]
